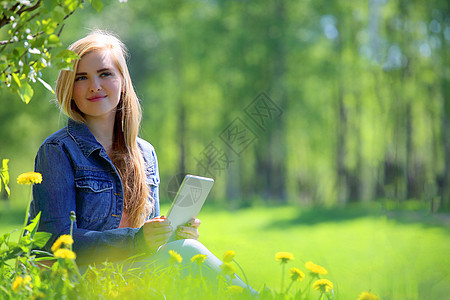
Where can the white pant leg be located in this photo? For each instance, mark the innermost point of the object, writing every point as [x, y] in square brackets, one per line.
[187, 249]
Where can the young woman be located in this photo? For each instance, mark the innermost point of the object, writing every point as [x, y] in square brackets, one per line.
[99, 168]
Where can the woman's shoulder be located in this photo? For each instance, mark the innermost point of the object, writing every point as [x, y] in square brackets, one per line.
[146, 147]
[57, 137]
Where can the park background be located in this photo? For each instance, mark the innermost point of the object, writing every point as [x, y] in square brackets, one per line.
[324, 123]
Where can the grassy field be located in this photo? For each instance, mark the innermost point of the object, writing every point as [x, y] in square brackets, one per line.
[394, 257]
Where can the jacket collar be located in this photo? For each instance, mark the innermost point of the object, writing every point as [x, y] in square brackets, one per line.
[83, 137]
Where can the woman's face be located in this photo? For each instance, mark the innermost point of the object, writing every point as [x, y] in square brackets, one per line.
[98, 85]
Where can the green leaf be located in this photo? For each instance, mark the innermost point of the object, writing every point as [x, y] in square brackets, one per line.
[49, 25]
[26, 92]
[67, 55]
[53, 40]
[97, 5]
[72, 4]
[4, 176]
[16, 79]
[32, 227]
[46, 85]
[41, 238]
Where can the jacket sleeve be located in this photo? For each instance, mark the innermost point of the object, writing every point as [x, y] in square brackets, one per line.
[55, 197]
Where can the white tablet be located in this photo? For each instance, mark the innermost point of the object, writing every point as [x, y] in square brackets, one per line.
[189, 200]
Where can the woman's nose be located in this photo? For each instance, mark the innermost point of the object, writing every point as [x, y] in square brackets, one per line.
[95, 86]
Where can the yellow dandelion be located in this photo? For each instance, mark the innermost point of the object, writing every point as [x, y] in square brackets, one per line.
[235, 289]
[228, 269]
[64, 239]
[29, 178]
[284, 257]
[367, 296]
[175, 257]
[199, 258]
[17, 283]
[296, 274]
[229, 255]
[65, 253]
[315, 269]
[323, 285]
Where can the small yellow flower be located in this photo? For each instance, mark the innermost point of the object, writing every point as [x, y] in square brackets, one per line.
[235, 289]
[323, 285]
[296, 274]
[175, 257]
[65, 253]
[17, 283]
[228, 269]
[316, 269]
[368, 296]
[64, 239]
[29, 178]
[199, 258]
[284, 257]
[229, 255]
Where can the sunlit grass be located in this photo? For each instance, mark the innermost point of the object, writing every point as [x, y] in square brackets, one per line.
[361, 249]
[395, 260]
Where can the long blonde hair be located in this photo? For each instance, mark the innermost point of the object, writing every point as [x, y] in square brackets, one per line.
[126, 154]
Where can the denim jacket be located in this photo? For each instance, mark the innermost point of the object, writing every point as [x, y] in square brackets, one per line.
[79, 176]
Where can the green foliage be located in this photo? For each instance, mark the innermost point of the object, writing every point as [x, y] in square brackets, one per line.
[29, 31]
[4, 176]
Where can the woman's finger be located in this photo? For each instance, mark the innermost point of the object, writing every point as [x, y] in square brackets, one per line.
[194, 223]
[187, 232]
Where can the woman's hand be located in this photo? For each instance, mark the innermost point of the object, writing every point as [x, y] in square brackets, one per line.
[156, 232]
[189, 230]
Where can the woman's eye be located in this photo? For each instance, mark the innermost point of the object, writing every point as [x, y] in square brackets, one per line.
[106, 74]
[80, 78]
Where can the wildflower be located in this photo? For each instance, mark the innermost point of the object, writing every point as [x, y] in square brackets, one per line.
[296, 274]
[175, 257]
[316, 269]
[228, 256]
[199, 258]
[65, 253]
[17, 283]
[26, 279]
[64, 239]
[323, 285]
[368, 296]
[228, 269]
[235, 289]
[284, 257]
[29, 178]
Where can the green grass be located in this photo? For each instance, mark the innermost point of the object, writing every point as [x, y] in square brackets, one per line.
[395, 258]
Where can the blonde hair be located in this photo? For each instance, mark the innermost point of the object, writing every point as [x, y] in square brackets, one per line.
[126, 154]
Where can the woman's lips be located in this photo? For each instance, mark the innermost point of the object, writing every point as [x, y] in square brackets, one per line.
[96, 98]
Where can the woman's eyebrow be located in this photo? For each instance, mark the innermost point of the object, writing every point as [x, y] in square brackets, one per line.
[103, 70]
[98, 71]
